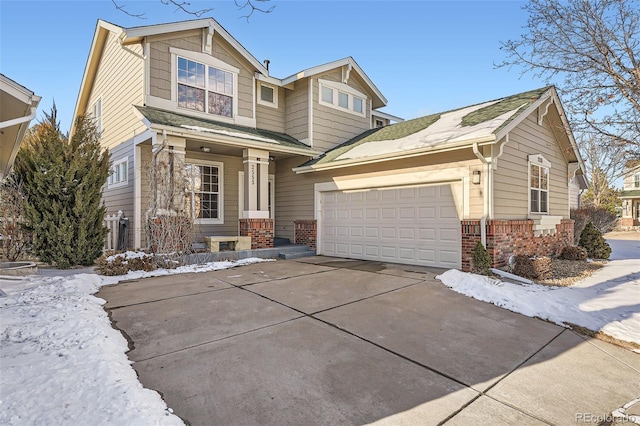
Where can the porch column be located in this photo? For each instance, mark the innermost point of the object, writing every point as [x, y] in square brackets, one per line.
[256, 222]
[168, 159]
[256, 184]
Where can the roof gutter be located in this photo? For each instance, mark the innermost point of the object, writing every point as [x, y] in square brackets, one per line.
[231, 141]
[393, 156]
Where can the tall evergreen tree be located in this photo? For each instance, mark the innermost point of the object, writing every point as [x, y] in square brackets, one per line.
[62, 180]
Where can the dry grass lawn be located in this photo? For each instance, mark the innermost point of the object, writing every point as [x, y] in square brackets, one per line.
[566, 272]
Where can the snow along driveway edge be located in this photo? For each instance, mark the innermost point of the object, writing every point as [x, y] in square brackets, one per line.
[62, 362]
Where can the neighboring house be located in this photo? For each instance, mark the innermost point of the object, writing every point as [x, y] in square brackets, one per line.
[312, 159]
[630, 195]
[18, 107]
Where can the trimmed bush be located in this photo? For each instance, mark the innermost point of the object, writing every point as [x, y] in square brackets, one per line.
[603, 220]
[532, 267]
[481, 259]
[593, 241]
[573, 253]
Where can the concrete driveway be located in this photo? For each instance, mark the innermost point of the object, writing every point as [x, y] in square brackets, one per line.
[335, 341]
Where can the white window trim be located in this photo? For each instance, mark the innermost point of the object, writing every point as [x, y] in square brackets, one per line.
[635, 182]
[110, 183]
[209, 61]
[344, 88]
[540, 161]
[220, 166]
[98, 120]
[273, 104]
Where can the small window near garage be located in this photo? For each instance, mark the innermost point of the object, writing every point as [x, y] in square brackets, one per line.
[119, 173]
[96, 113]
[342, 97]
[268, 95]
[538, 184]
[327, 94]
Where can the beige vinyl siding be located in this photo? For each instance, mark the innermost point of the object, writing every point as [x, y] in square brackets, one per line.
[160, 59]
[121, 197]
[119, 85]
[295, 193]
[331, 126]
[511, 184]
[297, 110]
[160, 65]
[270, 118]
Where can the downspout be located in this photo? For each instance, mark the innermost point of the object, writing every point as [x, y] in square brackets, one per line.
[483, 219]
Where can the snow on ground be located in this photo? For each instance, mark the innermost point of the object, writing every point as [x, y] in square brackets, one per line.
[607, 301]
[61, 362]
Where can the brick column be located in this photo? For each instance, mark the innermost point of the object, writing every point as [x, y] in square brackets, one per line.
[305, 233]
[260, 231]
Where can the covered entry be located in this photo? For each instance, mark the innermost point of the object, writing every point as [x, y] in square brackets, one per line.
[416, 225]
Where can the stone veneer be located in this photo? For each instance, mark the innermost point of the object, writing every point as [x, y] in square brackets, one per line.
[305, 233]
[260, 231]
[513, 237]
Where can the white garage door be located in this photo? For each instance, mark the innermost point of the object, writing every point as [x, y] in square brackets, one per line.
[412, 225]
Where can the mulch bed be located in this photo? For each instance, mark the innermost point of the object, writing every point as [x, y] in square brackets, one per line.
[567, 272]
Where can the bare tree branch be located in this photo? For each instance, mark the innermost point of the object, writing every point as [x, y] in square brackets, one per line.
[252, 7]
[122, 9]
[185, 7]
[592, 45]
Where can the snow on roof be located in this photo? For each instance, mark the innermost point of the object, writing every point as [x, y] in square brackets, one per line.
[228, 133]
[447, 129]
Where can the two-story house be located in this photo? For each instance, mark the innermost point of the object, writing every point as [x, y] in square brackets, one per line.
[310, 157]
[630, 195]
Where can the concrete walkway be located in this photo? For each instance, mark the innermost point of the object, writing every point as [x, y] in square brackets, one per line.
[335, 341]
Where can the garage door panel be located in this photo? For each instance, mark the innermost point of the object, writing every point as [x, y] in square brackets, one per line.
[415, 225]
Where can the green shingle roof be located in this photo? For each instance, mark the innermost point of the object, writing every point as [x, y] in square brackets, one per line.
[516, 104]
[168, 118]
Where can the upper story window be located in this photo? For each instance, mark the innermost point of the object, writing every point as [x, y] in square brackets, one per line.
[96, 112]
[539, 184]
[119, 173]
[267, 95]
[342, 97]
[205, 88]
[379, 123]
[204, 197]
[636, 180]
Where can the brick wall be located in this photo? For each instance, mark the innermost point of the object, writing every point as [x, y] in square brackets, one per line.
[513, 237]
[305, 232]
[260, 231]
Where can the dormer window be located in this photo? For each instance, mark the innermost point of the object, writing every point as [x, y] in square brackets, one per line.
[342, 97]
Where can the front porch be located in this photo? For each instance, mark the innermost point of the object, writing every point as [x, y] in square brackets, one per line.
[221, 177]
[282, 249]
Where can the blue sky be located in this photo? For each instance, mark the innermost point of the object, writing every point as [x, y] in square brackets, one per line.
[424, 56]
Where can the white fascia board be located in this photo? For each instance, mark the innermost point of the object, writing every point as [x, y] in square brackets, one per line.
[16, 90]
[386, 116]
[232, 141]
[100, 34]
[136, 33]
[332, 65]
[394, 156]
[268, 79]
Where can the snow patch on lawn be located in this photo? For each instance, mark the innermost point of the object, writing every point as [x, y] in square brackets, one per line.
[607, 301]
[61, 362]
